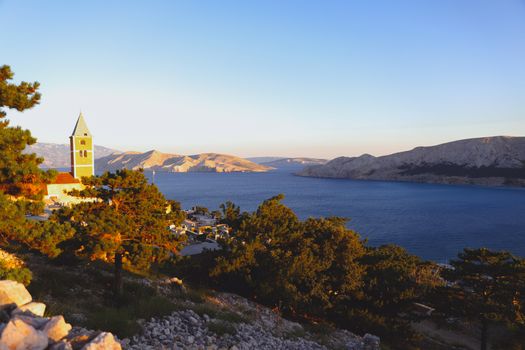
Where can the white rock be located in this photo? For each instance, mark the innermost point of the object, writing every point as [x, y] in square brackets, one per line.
[56, 328]
[103, 341]
[32, 307]
[13, 293]
[18, 335]
[36, 322]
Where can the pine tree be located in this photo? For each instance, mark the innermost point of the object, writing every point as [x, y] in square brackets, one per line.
[487, 287]
[19, 172]
[21, 180]
[304, 267]
[126, 223]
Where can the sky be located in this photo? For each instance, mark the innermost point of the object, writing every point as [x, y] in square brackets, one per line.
[321, 78]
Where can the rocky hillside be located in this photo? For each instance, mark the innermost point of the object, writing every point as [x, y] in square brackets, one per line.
[496, 160]
[155, 160]
[244, 326]
[261, 160]
[23, 325]
[294, 161]
[172, 315]
[58, 155]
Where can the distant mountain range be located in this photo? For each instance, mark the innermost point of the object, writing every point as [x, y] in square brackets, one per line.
[261, 160]
[155, 160]
[59, 156]
[279, 162]
[498, 160]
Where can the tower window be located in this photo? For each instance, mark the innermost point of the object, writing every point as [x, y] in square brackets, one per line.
[85, 153]
[81, 154]
[83, 142]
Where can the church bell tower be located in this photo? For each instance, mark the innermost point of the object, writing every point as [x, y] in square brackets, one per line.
[82, 155]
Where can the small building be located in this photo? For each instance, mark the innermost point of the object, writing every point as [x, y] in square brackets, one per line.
[56, 192]
[189, 225]
[204, 220]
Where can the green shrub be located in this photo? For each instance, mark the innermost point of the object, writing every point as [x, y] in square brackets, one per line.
[156, 306]
[19, 274]
[296, 332]
[202, 309]
[232, 317]
[139, 302]
[219, 313]
[221, 327]
[57, 284]
[195, 295]
[117, 321]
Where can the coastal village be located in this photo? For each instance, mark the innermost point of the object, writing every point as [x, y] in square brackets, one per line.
[201, 229]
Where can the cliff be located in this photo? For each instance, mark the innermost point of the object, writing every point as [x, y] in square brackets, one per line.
[498, 160]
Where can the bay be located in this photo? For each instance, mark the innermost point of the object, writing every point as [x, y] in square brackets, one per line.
[432, 221]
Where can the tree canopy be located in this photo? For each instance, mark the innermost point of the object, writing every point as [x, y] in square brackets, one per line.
[125, 222]
[301, 266]
[487, 286]
[19, 172]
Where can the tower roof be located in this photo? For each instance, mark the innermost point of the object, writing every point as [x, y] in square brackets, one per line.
[81, 128]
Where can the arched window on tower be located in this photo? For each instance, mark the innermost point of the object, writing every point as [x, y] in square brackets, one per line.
[83, 142]
[80, 152]
[85, 153]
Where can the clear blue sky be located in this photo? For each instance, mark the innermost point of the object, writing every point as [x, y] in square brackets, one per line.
[295, 78]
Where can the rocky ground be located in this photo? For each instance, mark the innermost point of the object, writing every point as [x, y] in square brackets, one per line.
[245, 325]
[192, 319]
[24, 327]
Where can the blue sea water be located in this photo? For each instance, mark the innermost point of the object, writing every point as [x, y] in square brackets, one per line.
[432, 221]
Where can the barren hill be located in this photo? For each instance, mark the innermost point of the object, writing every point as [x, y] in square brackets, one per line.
[58, 155]
[498, 160]
[158, 161]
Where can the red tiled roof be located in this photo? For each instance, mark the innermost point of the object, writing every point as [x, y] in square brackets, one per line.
[65, 178]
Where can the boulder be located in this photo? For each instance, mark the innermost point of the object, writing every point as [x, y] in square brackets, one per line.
[103, 341]
[33, 307]
[34, 321]
[23, 327]
[13, 294]
[56, 328]
[18, 335]
[371, 342]
[62, 345]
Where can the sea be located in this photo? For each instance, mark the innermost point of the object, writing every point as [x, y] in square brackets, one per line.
[432, 221]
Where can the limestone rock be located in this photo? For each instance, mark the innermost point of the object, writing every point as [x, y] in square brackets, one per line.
[56, 328]
[34, 321]
[62, 345]
[103, 341]
[18, 335]
[371, 341]
[13, 293]
[33, 307]
[25, 328]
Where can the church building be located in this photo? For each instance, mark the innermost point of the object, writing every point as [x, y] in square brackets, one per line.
[82, 164]
[82, 156]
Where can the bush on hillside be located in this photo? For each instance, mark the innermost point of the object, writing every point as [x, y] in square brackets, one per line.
[19, 274]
